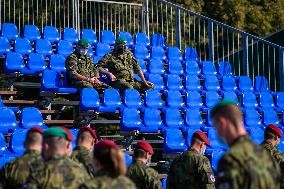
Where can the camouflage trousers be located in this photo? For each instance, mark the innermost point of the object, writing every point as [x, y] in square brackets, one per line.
[122, 84]
[84, 84]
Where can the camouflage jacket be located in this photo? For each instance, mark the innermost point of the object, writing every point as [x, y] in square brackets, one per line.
[190, 169]
[103, 180]
[144, 177]
[83, 155]
[15, 173]
[121, 66]
[247, 166]
[59, 172]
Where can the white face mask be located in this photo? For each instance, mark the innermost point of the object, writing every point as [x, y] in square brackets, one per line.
[203, 151]
[83, 52]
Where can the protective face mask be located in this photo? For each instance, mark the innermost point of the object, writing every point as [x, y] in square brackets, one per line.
[277, 144]
[203, 151]
[83, 52]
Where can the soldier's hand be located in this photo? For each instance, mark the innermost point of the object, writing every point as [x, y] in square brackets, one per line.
[94, 80]
[112, 77]
[149, 84]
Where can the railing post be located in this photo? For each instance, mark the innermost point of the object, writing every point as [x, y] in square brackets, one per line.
[211, 40]
[146, 15]
[245, 54]
[178, 29]
[281, 68]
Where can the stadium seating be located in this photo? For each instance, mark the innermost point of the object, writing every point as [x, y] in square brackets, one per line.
[156, 66]
[30, 117]
[14, 109]
[8, 120]
[153, 99]
[107, 37]
[9, 31]
[142, 64]
[192, 68]
[158, 40]
[193, 100]
[90, 52]
[89, 99]
[173, 141]
[249, 100]
[174, 82]
[211, 83]
[111, 101]
[128, 159]
[43, 46]
[174, 99]
[64, 48]
[173, 119]
[224, 69]
[14, 62]
[189, 133]
[158, 52]
[17, 141]
[260, 84]
[193, 119]
[175, 67]
[128, 37]
[174, 53]
[74, 132]
[244, 84]
[157, 80]
[141, 39]
[192, 83]
[70, 35]
[228, 83]
[31, 32]
[141, 52]
[208, 68]
[279, 102]
[132, 99]
[215, 157]
[102, 49]
[231, 96]
[130, 119]
[4, 46]
[23, 46]
[252, 118]
[90, 35]
[211, 98]
[257, 135]
[266, 101]
[190, 54]
[36, 64]
[57, 63]
[151, 120]
[215, 142]
[209, 121]
[4, 150]
[270, 117]
[51, 34]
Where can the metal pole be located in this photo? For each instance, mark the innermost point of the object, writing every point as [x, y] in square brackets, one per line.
[211, 40]
[178, 28]
[147, 16]
[281, 68]
[245, 54]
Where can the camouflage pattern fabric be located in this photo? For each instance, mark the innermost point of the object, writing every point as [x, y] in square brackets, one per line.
[83, 155]
[102, 180]
[15, 173]
[144, 177]
[190, 169]
[59, 172]
[247, 166]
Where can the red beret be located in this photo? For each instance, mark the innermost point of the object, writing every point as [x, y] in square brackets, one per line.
[275, 129]
[89, 129]
[36, 129]
[145, 146]
[202, 136]
[69, 135]
[104, 144]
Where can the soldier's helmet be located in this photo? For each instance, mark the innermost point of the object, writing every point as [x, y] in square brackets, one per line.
[120, 41]
[84, 43]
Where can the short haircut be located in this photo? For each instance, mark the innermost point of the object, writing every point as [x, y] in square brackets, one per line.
[33, 138]
[195, 139]
[56, 143]
[139, 153]
[269, 134]
[85, 136]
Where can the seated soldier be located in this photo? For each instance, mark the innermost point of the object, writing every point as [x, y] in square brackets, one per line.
[81, 70]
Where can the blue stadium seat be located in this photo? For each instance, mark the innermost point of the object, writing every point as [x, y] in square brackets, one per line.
[173, 141]
[193, 119]
[157, 80]
[102, 49]
[111, 101]
[158, 52]
[151, 120]
[4, 150]
[128, 37]
[156, 66]
[261, 84]
[23, 46]
[208, 68]
[14, 62]
[5, 159]
[231, 96]
[249, 100]
[211, 99]
[193, 100]
[107, 37]
[57, 63]
[189, 133]
[17, 141]
[209, 121]
[228, 83]
[89, 99]
[192, 68]
[266, 101]
[269, 116]
[158, 40]
[173, 118]
[64, 48]
[153, 99]
[70, 35]
[175, 67]
[190, 54]
[74, 132]
[36, 64]
[4, 46]
[216, 156]
[128, 159]
[211, 83]
[31, 32]
[141, 52]
[244, 84]
[141, 39]
[174, 53]
[224, 69]
[10, 31]
[130, 119]
[51, 34]
[96, 59]
[90, 35]
[164, 183]
[215, 142]
[8, 120]
[90, 51]
[132, 99]
[252, 118]
[14, 109]
[192, 83]
[174, 99]
[31, 117]
[257, 135]
[43, 46]
[142, 64]
[279, 102]
[174, 82]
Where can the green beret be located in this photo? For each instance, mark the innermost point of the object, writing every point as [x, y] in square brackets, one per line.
[120, 40]
[55, 132]
[220, 105]
[84, 42]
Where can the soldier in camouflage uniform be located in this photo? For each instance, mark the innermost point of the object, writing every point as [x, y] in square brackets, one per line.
[192, 169]
[15, 173]
[86, 139]
[110, 168]
[121, 63]
[59, 171]
[143, 176]
[246, 165]
[81, 70]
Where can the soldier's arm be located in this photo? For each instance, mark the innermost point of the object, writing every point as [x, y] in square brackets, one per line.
[206, 173]
[103, 63]
[72, 69]
[153, 179]
[278, 156]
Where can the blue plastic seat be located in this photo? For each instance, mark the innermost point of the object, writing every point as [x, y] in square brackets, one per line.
[261, 84]
[64, 48]
[249, 100]
[90, 51]
[102, 49]
[57, 63]
[31, 117]
[156, 66]
[130, 119]
[141, 39]
[208, 68]
[17, 141]
[173, 141]
[228, 83]
[43, 46]
[141, 52]
[158, 52]
[90, 35]
[158, 40]
[192, 68]
[211, 83]
[173, 118]
[4, 150]
[4, 46]
[266, 101]
[190, 54]
[51, 34]
[192, 83]
[74, 132]
[174, 82]
[70, 34]
[209, 121]
[23, 46]
[107, 37]
[36, 64]
[193, 118]
[8, 120]
[89, 99]
[257, 135]
[5, 159]
[189, 133]
[252, 118]
[14, 62]
[153, 99]
[31, 32]
[157, 80]
[128, 37]
[151, 120]
[174, 99]
[245, 84]
[175, 67]
[211, 99]
[132, 99]
[10, 31]
[269, 116]
[13, 108]
[224, 69]
[142, 64]
[279, 102]
[174, 53]
[216, 156]
[193, 100]
[111, 101]
[215, 142]
[128, 159]
[231, 96]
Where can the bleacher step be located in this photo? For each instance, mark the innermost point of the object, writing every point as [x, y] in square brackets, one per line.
[8, 92]
[50, 122]
[30, 102]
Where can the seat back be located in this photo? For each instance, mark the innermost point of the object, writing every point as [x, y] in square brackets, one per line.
[216, 156]
[111, 98]
[107, 37]
[280, 100]
[50, 80]
[173, 118]
[193, 100]
[190, 54]
[127, 36]
[249, 100]
[257, 135]
[157, 80]
[174, 53]
[211, 99]
[31, 32]
[191, 67]
[51, 34]
[89, 99]
[7, 120]
[228, 83]
[17, 141]
[175, 67]
[102, 49]
[266, 100]
[14, 62]
[10, 31]
[4, 46]
[158, 40]
[132, 98]
[141, 39]
[156, 66]
[173, 141]
[57, 63]
[192, 83]
[43, 46]
[36, 62]
[225, 69]
[131, 118]
[270, 117]
[245, 84]
[31, 117]
[215, 142]
[193, 118]
[174, 82]
[174, 99]
[141, 52]
[90, 35]
[231, 96]
[211, 83]
[252, 118]
[153, 99]
[208, 68]
[157, 52]
[64, 48]
[23, 46]
[261, 84]
[71, 35]
[152, 118]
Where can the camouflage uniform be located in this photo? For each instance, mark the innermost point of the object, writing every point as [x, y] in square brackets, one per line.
[83, 155]
[122, 67]
[144, 177]
[102, 180]
[247, 166]
[83, 65]
[16, 172]
[59, 172]
[190, 170]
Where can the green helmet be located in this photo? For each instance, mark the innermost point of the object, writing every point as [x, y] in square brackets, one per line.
[220, 105]
[84, 42]
[120, 41]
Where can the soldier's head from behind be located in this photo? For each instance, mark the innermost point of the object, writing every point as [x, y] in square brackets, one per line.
[87, 138]
[33, 140]
[83, 45]
[143, 151]
[109, 157]
[228, 120]
[272, 134]
[120, 45]
[199, 142]
[56, 142]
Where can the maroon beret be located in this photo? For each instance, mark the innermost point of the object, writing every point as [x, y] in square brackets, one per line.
[275, 129]
[104, 144]
[69, 135]
[145, 146]
[36, 129]
[89, 129]
[202, 136]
